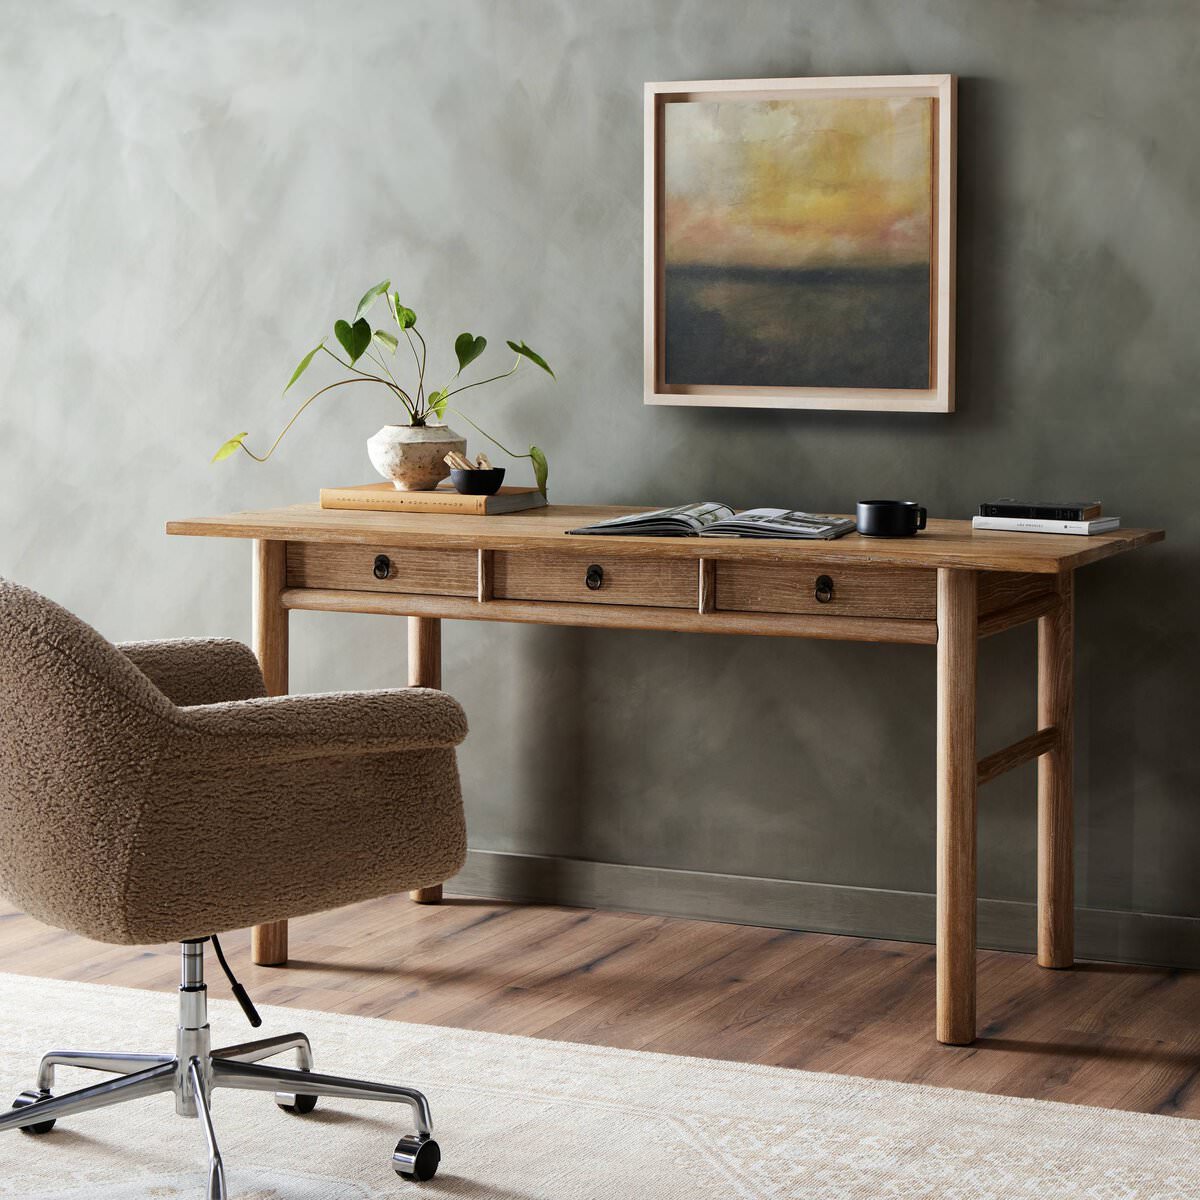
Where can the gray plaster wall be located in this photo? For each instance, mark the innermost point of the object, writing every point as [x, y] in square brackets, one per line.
[191, 193]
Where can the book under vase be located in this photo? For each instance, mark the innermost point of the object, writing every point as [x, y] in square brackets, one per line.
[382, 497]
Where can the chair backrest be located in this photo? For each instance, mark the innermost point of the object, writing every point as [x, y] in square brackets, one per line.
[80, 732]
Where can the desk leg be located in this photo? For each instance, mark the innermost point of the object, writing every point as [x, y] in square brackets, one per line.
[957, 618]
[425, 670]
[269, 943]
[1056, 818]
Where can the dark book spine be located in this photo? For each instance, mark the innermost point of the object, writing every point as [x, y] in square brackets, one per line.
[1044, 512]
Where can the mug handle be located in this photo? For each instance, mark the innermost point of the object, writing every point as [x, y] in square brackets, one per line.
[920, 518]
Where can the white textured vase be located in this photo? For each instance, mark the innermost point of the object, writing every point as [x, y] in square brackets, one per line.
[412, 456]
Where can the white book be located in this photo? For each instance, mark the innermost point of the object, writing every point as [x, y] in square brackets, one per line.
[1040, 525]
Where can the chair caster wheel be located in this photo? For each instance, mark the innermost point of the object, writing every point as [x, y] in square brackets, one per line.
[416, 1157]
[32, 1097]
[298, 1104]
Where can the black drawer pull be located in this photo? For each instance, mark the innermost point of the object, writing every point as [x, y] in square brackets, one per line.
[824, 589]
[594, 577]
[383, 566]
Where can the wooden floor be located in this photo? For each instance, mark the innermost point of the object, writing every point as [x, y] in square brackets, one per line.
[1117, 1036]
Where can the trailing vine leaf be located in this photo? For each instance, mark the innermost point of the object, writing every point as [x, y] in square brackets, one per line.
[233, 445]
[533, 356]
[468, 349]
[388, 339]
[354, 338]
[541, 468]
[303, 365]
[370, 297]
[405, 317]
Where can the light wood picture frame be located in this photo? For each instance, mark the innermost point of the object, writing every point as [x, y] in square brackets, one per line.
[799, 249]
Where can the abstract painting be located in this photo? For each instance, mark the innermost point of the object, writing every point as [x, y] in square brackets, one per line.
[796, 240]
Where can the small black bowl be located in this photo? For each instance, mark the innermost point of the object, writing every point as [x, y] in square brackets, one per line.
[483, 481]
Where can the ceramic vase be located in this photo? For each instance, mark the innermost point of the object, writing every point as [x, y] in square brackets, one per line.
[412, 457]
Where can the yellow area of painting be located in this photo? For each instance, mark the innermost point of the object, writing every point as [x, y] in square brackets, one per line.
[804, 182]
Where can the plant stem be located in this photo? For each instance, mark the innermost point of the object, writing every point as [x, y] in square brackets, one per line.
[383, 363]
[510, 453]
[420, 369]
[328, 387]
[481, 382]
[352, 367]
[405, 398]
[424, 355]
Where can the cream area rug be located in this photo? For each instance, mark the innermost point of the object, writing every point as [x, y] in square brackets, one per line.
[524, 1119]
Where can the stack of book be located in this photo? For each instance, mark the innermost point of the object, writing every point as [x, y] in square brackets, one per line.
[383, 497]
[1081, 517]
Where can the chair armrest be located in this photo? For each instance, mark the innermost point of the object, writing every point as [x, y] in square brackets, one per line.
[198, 670]
[330, 724]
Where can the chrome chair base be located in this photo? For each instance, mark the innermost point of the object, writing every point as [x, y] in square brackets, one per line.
[195, 1070]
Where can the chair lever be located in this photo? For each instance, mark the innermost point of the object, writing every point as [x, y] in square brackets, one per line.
[239, 993]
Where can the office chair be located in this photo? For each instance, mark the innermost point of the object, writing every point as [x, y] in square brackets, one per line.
[151, 792]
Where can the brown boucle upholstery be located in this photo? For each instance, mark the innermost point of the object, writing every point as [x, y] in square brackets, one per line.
[151, 792]
[198, 670]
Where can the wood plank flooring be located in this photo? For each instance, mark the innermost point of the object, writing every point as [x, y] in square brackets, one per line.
[1115, 1036]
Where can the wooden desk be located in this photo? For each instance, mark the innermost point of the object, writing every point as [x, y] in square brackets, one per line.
[947, 587]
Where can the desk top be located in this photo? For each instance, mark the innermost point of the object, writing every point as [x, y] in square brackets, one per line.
[943, 544]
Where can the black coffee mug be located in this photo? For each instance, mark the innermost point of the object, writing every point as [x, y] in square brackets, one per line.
[890, 518]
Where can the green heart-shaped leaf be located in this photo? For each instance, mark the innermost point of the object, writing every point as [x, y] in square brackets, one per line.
[437, 402]
[541, 468]
[370, 297]
[388, 339]
[405, 317]
[533, 357]
[303, 365]
[354, 338]
[230, 447]
[468, 349]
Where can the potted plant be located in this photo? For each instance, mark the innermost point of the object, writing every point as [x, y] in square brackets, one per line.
[411, 454]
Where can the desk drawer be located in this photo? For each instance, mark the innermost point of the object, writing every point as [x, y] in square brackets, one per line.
[381, 569]
[533, 575]
[855, 591]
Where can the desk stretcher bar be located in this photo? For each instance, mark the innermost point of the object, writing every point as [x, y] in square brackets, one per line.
[613, 616]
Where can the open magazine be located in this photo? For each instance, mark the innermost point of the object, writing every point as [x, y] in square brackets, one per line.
[710, 519]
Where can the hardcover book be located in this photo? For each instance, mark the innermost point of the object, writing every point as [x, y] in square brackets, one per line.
[1049, 510]
[1040, 525]
[383, 497]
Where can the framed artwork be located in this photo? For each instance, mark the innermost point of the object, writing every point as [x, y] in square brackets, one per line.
[800, 243]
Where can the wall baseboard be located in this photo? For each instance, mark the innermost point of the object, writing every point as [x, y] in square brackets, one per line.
[1101, 934]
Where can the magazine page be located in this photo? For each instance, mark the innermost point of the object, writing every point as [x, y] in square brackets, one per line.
[684, 520]
[779, 523]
